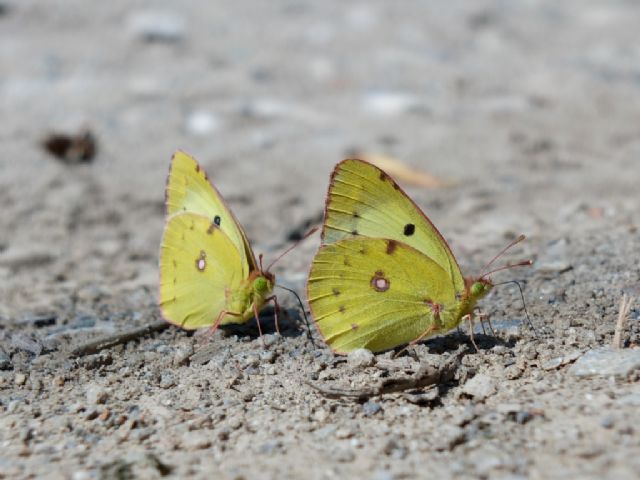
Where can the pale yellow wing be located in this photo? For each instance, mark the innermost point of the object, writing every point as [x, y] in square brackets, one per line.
[364, 200]
[377, 294]
[189, 190]
[199, 268]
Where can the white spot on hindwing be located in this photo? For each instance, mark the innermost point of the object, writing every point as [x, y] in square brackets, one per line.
[379, 282]
[201, 261]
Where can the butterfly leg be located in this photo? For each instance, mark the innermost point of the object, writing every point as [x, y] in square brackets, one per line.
[274, 299]
[216, 324]
[482, 317]
[255, 314]
[473, 340]
[427, 332]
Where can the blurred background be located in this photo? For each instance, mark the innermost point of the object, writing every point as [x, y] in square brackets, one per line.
[528, 111]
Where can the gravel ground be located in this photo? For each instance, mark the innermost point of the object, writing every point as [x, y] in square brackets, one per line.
[530, 112]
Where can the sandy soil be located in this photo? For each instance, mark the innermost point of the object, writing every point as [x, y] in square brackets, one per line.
[530, 110]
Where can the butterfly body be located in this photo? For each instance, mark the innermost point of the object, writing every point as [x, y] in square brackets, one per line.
[208, 272]
[247, 296]
[384, 276]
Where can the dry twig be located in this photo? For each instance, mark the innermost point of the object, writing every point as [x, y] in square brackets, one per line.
[118, 338]
[623, 316]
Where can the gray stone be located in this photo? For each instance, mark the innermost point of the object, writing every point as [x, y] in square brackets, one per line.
[607, 362]
[480, 387]
[157, 26]
[202, 123]
[5, 361]
[360, 358]
[197, 440]
[371, 408]
[389, 103]
[449, 437]
[96, 395]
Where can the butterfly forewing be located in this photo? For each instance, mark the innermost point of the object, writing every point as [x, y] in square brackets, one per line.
[364, 200]
[189, 190]
[377, 293]
[199, 266]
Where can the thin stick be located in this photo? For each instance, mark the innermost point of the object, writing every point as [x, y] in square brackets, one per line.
[425, 376]
[119, 338]
[623, 316]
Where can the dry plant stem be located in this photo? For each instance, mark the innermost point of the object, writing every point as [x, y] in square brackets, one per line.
[425, 376]
[96, 346]
[623, 316]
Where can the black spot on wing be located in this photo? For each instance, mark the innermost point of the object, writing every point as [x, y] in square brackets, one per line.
[217, 220]
[409, 229]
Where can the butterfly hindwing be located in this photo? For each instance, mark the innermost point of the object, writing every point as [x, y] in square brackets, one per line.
[189, 190]
[364, 200]
[199, 267]
[377, 293]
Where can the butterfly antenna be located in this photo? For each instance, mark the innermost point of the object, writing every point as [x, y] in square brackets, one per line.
[304, 313]
[524, 305]
[260, 262]
[304, 237]
[524, 263]
[502, 252]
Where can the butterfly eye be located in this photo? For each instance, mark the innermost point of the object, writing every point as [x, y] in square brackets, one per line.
[217, 220]
[477, 289]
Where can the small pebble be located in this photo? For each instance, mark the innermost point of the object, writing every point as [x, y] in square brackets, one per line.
[607, 421]
[20, 379]
[344, 433]
[371, 408]
[235, 423]
[360, 358]
[344, 456]
[523, 417]
[157, 26]
[197, 440]
[449, 436]
[480, 387]
[271, 339]
[202, 123]
[321, 415]
[5, 361]
[388, 103]
[167, 380]
[267, 356]
[182, 354]
[92, 414]
[96, 395]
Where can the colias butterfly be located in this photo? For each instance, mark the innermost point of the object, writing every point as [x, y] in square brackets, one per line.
[384, 276]
[208, 272]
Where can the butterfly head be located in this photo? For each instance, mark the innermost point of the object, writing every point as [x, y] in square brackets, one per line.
[479, 288]
[263, 283]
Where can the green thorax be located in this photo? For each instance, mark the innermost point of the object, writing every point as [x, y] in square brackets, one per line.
[252, 291]
[474, 290]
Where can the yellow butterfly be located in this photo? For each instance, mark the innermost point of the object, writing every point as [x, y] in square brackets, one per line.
[384, 276]
[208, 272]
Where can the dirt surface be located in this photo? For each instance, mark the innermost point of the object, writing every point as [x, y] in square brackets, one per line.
[529, 109]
